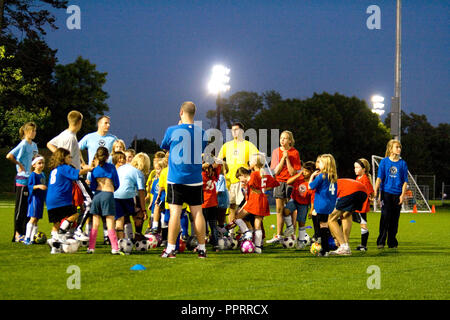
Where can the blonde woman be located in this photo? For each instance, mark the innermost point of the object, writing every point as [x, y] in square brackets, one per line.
[324, 182]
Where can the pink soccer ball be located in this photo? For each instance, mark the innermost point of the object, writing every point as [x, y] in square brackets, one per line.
[247, 247]
[153, 240]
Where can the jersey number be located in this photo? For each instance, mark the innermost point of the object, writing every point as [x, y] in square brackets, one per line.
[332, 189]
[53, 176]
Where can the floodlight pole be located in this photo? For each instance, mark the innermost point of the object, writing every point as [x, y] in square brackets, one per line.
[396, 105]
[218, 110]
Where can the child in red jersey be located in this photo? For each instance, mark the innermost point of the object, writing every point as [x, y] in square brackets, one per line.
[300, 203]
[351, 195]
[257, 182]
[210, 175]
[362, 171]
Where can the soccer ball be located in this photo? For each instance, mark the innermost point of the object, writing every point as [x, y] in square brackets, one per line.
[191, 243]
[153, 240]
[40, 238]
[234, 244]
[223, 243]
[247, 247]
[307, 239]
[126, 245]
[332, 243]
[181, 246]
[70, 246]
[83, 243]
[141, 245]
[289, 242]
[315, 248]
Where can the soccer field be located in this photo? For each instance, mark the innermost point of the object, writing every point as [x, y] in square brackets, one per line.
[418, 269]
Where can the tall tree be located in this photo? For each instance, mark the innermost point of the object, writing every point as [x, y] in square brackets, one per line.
[79, 86]
[28, 17]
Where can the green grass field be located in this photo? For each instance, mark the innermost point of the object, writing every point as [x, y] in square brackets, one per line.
[417, 270]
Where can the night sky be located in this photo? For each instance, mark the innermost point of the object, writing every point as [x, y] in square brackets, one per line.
[160, 53]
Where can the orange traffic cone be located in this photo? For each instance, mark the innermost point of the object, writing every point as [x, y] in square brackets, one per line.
[415, 209]
[433, 209]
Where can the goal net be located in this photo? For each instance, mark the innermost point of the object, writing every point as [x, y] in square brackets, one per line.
[414, 195]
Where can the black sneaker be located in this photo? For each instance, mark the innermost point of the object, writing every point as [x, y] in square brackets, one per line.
[361, 248]
[202, 254]
[170, 255]
[106, 241]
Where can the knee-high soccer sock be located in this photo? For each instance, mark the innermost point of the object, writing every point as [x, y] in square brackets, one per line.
[29, 230]
[242, 225]
[324, 235]
[34, 231]
[92, 238]
[112, 238]
[316, 225]
[258, 238]
[65, 225]
[128, 229]
[288, 221]
[364, 237]
[301, 233]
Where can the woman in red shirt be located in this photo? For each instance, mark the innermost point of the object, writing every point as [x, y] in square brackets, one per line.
[285, 163]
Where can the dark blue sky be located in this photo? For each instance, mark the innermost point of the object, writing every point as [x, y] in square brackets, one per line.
[160, 53]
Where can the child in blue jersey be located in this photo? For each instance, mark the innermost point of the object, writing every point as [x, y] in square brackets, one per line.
[104, 182]
[393, 180]
[59, 190]
[132, 181]
[36, 198]
[22, 156]
[223, 197]
[324, 182]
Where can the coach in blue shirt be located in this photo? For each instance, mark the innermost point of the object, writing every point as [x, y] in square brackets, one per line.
[185, 143]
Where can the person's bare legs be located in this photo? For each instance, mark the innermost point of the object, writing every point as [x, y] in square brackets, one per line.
[334, 227]
[199, 223]
[347, 225]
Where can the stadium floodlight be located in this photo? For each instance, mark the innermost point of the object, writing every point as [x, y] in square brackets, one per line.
[219, 84]
[219, 80]
[378, 105]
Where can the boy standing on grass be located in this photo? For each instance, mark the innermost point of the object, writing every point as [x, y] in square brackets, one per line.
[185, 143]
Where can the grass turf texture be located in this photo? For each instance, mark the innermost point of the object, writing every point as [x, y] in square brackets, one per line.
[418, 269]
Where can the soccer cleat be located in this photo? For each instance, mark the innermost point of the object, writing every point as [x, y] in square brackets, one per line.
[248, 235]
[380, 246]
[90, 251]
[361, 248]
[27, 241]
[258, 250]
[170, 255]
[117, 252]
[106, 241]
[301, 244]
[80, 236]
[20, 238]
[323, 254]
[202, 254]
[289, 231]
[341, 251]
[275, 239]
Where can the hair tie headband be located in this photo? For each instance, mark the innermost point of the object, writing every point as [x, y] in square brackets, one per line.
[360, 163]
[36, 160]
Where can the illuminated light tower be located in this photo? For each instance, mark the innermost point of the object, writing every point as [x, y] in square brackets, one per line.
[219, 84]
[378, 105]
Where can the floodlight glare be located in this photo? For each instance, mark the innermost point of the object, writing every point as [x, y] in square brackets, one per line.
[378, 105]
[377, 99]
[219, 80]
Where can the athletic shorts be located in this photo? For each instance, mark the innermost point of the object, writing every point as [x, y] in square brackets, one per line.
[124, 207]
[57, 214]
[235, 193]
[103, 204]
[352, 202]
[283, 191]
[180, 193]
[302, 210]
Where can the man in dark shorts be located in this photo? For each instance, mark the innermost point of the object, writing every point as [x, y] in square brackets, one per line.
[351, 195]
[185, 143]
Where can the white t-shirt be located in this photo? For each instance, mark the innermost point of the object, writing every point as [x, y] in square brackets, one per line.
[68, 140]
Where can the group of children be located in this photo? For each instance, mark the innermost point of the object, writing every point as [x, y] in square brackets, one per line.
[117, 194]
